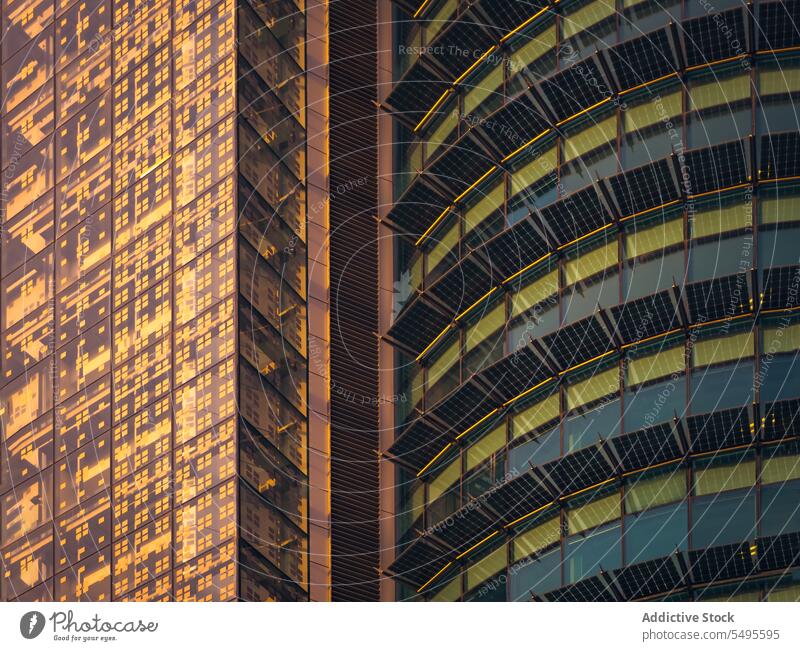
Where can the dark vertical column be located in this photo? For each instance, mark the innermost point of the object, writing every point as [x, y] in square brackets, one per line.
[354, 301]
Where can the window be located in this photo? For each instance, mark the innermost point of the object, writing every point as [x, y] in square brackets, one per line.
[780, 467]
[655, 403]
[721, 519]
[598, 385]
[780, 508]
[485, 217]
[535, 452]
[722, 349]
[722, 387]
[587, 264]
[540, 574]
[581, 301]
[439, 21]
[591, 136]
[734, 216]
[721, 110]
[442, 376]
[485, 447]
[533, 58]
[715, 478]
[656, 366]
[484, 344]
[526, 178]
[643, 492]
[585, 555]
[643, 278]
[486, 93]
[443, 133]
[656, 533]
[537, 538]
[586, 26]
[581, 430]
[720, 257]
[653, 236]
[533, 417]
[485, 568]
[651, 126]
[444, 252]
[593, 514]
[444, 480]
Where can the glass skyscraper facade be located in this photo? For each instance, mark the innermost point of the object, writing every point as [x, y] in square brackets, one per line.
[594, 209]
[154, 300]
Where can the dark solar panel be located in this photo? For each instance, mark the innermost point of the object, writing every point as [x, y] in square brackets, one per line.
[578, 470]
[704, 41]
[780, 155]
[721, 563]
[519, 371]
[591, 589]
[459, 45]
[644, 188]
[781, 420]
[574, 89]
[515, 248]
[780, 287]
[514, 125]
[576, 343]
[465, 528]
[418, 324]
[778, 552]
[417, 209]
[417, 92]
[647, 447]
[464, 406]
[419, 443]
[645, 317]
[462, 285]
[517, 498]
[576, 215]
[419, 562]
[718, 298]
[460, 165]
[506, 15]
[720, 429]
[721, 166]
[641, 580]
[778, 25]
[643, 59]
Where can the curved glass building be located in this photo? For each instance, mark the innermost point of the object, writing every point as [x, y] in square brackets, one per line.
[595, 209]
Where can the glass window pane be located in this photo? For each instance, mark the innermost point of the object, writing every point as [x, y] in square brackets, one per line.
[541, 536]
[593, 514]
[486, 567]
[444, 480]
[653, 237]
[643, 492]
[722, 219]
[723, 519]
[584, 556]
[541, 574]
[780, 508]
[654, 404]
[581, 430]
[592, 262]
[595, 387]
[715, 479]
[722, 349]
[535, 452]
[487, 446]
[656, 533]
[663, 363]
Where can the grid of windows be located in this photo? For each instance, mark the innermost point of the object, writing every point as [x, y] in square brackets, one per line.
[123, 396]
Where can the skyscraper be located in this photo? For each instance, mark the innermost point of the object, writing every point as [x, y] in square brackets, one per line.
[163, 163]
[593, 206]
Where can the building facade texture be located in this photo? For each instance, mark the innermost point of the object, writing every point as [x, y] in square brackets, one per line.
[154, 393]
[594, 209]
